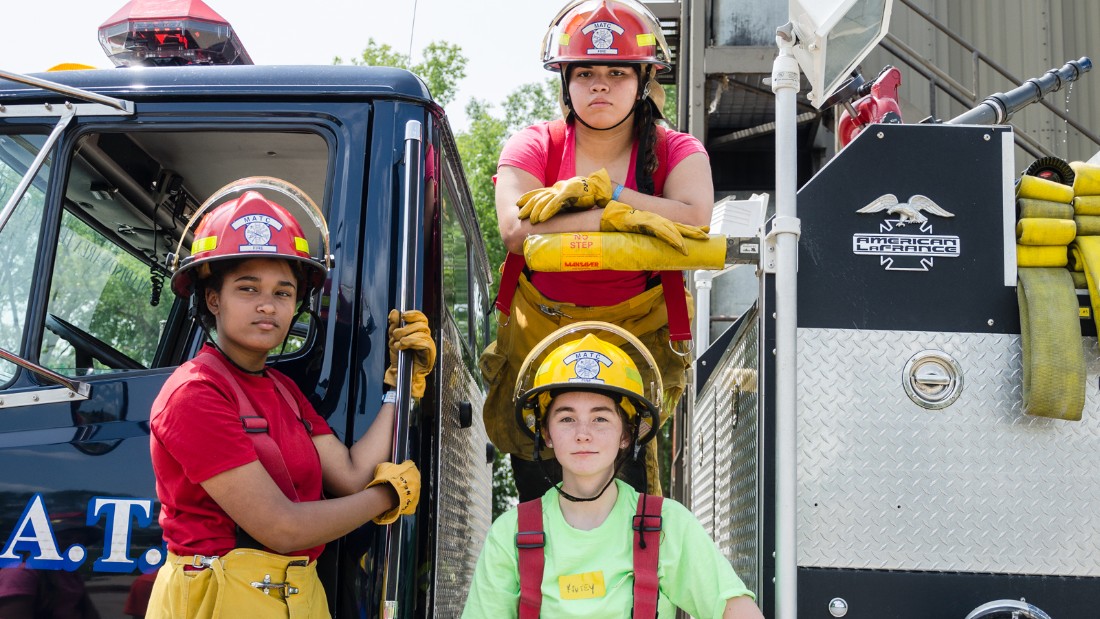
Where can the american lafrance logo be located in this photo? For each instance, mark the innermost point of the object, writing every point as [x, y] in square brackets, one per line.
[917, 248]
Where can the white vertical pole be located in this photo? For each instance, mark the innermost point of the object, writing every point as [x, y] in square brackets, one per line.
[785, 85]
[703, 283]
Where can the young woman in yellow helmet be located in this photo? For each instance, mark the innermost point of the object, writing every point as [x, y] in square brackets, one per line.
[608, 165]
[592, 546]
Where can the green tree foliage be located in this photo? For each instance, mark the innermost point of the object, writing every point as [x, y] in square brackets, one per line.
[442, 68]
[479, 146]
[669, 109]
[532, 103]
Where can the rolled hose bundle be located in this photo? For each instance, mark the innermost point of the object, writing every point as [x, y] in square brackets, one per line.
[1050, 334]
[1085, 251]
[1053, 359]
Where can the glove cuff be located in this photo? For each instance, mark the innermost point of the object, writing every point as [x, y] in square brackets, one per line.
[390, 516]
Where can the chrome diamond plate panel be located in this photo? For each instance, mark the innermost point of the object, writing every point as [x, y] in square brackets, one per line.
[466, 480]
[975, 487]
[724, 456]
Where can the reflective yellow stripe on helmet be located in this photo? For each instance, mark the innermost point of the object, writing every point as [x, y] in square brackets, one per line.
[206, 243]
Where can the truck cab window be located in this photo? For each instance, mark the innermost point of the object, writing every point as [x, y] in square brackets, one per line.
[101, 315]
[456, 272]
[128, 198]
[18, 239]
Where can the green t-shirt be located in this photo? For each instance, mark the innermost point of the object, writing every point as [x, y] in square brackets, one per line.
[693, 575]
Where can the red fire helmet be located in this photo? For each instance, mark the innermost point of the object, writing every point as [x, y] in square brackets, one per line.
[605, 32]
[250, 226]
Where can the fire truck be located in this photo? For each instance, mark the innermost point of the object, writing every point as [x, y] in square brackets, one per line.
[870, 458]
[100, 172]
[861, 441]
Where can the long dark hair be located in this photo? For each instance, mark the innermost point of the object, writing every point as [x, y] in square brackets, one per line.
[645, 132]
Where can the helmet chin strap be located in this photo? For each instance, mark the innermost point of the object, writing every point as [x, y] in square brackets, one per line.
[581, 120]
[576, 499]
[214, 343]
[569, 100]
[569, 497]
[633, 449]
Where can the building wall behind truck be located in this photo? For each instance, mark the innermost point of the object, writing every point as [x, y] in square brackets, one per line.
[1027, 38]
[745, 22]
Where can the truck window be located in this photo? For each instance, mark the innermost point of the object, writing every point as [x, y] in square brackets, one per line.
[101, 311]
[128, 198]
[456, 271]
[18, 239]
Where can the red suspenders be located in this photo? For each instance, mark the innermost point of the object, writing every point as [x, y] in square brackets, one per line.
[256, 426]
[646, 549]
[531, 539]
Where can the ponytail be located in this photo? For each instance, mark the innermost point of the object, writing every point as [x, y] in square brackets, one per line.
[645, 132]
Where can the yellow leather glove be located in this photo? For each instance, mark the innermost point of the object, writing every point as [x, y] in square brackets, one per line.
[577, 193]
[416, 338]
[405, 479]
[619, 217]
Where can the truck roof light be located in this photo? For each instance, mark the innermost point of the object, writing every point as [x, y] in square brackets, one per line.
[170, 33]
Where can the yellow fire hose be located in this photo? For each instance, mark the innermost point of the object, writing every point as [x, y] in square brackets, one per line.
[619, 251]
[1041, 189]
[1031, 208]
[1053, 360]
[1086, 180]
[1053, 216]
[1085, 251]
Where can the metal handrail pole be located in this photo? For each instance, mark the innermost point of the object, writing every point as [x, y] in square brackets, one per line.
[786, 81]
[393, 565]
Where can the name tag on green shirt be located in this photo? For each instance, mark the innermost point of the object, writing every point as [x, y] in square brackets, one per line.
[581, 586]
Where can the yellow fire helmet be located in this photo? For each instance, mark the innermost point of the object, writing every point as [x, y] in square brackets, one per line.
[590, 356]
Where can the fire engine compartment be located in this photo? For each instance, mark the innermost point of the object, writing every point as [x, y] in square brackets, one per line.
[949, 503]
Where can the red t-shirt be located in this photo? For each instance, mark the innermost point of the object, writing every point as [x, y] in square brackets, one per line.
[529, 150]
[197, 434]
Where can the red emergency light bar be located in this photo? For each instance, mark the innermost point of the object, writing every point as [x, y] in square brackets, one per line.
[170, 33]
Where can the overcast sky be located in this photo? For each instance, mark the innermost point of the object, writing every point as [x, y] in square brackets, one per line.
[499, 37]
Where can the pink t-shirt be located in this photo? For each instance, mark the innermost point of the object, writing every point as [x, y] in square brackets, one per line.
[198, 434]
[529, 150]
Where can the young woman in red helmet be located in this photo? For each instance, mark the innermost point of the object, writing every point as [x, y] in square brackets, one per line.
[240, 456]
[607, 166]
[592, 546]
